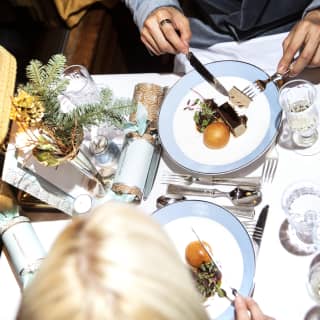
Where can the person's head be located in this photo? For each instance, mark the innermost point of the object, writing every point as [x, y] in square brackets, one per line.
[115, 263]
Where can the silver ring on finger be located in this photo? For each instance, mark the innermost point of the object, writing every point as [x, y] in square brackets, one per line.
[164, 21]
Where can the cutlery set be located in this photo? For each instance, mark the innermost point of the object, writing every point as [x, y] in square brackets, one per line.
[236, 96]
[240, 97]
[245, 195]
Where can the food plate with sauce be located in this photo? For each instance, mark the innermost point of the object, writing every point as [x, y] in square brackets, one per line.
[184, 143]
[231, 246]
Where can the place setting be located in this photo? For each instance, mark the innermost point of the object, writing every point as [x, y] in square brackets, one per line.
[192, 103]
[98, 137]
[206, 186]
[226, 237]
[212, 137]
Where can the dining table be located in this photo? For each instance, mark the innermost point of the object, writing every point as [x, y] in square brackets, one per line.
[280, 276]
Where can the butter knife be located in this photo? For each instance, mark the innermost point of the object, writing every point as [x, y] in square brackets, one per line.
[206, 74]
[154, 164]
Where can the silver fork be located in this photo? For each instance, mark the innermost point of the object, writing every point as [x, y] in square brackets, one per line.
[270, 166]
[260, 85]
[187, 179]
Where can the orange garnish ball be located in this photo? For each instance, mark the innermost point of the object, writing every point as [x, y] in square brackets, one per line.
[196, 255]
[216, 135]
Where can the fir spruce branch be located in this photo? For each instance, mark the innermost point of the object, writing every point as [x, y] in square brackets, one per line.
[35, 75]
[53, 73]
[46, 82]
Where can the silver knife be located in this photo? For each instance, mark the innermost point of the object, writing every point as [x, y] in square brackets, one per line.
[260, 225]
[206, 74]
[223, 292]
[153, 168]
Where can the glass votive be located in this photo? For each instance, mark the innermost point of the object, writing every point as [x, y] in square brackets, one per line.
[298, 99]
[301, 204]
[106, 155]
[82, 204]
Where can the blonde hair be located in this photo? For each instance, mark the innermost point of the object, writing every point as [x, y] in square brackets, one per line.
[116, 263]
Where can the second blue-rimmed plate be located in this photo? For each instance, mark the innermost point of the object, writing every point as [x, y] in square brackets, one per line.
[230, 243]
[184, 144]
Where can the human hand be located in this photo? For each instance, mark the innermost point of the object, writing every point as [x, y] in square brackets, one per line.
[248, 309]
[171, 36]
[305, 39]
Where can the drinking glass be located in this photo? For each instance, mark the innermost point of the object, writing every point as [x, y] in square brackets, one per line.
[81, 89]
[301, 204]
[298, 99]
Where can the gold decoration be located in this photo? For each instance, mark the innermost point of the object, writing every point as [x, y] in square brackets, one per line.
[27, 109]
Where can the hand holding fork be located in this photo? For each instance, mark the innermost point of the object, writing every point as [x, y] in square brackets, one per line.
[260, 85]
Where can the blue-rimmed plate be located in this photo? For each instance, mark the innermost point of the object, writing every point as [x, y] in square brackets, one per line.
[230, 243]
[184, 143]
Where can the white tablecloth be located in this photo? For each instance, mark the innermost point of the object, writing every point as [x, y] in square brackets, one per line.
[280, 276]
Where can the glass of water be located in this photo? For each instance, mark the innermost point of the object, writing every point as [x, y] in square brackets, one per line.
[298, 99]
[81, 89]
[301, 204]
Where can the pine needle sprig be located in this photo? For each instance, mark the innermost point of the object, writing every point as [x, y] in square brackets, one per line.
[91, 114]
[46, 80]
[106, 96]
[35, 75]
[122, 106]
[53, 73]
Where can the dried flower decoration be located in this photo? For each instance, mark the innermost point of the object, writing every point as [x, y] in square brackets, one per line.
[28, 110]
[59, 134]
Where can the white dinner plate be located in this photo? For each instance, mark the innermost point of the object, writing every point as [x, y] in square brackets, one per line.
[230, 243]
[184, 144]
